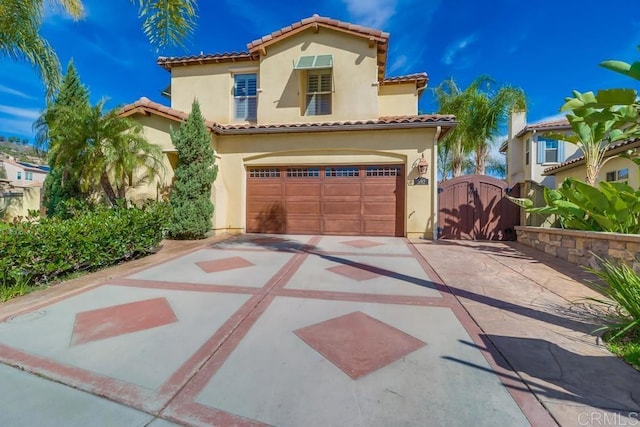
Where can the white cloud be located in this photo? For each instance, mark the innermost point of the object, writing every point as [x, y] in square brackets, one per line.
[23, 113]
[458, 46]
[11, 91]
[372, 13]
[559, 116]
[11, 126]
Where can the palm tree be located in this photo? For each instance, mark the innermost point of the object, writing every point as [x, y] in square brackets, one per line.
[103, 150]
[480, 110]
[165, 22]
[487, 108]
[451, 150]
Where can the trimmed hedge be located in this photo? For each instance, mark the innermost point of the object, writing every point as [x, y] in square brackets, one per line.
[88, 241]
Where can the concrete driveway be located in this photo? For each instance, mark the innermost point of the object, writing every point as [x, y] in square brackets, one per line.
[271, 330]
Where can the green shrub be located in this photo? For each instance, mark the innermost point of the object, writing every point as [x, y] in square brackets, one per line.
[91, 239]
[613, 207]
[194, 174]
[623, 288]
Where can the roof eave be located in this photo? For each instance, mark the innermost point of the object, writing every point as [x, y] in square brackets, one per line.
[540, 130]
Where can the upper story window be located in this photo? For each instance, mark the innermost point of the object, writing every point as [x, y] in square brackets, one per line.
[619, 175]
[318, 94]
[28, 176]
[550, 150]
[318, 83]
[245, 95]
[19, 175]
[527, 151]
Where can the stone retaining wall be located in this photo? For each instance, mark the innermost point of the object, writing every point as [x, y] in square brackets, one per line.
[580, 247]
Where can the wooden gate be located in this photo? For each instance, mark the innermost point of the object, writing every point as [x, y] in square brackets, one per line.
[474, 207]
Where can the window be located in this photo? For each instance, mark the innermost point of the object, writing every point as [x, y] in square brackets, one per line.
[619, 175]
[19, 175]
[264, 173]
[245, 94]
[527, 148]
[382, 171]
[28, 176]
[303, 173]
[550, 150]
[318, 93]
[342, 172]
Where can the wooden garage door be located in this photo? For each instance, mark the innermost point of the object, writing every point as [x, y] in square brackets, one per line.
[342, 200]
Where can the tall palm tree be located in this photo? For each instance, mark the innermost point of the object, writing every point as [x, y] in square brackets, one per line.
[487, 109]
[165, 22]
[105, 150]
[451, 150]
[480, 109]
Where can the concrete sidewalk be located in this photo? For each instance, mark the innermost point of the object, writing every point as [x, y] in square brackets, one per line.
[531, 307]
[310, 330]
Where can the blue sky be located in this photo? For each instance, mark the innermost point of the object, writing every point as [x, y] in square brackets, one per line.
[548, 48]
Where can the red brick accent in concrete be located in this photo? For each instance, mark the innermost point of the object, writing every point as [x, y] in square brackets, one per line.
[121, 319]
[224, 264]
[358, 344]
[361, 243]
[353, 273]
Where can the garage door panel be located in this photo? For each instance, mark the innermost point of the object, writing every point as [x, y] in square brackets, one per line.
[379, 208]
[344, 227]
[341, 207]
[310, 207]
[380, 227]
[342, 189]
[264, 189]
[380, 188]
[304, 189]
[302, 225]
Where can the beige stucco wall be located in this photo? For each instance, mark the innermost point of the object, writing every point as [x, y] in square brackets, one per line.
[398, 99]
[211, 85]
[19, 207]
[157, 131]
[330, 148]
[354, 77]
[614, 164]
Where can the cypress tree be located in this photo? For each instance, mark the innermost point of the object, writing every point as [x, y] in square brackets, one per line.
[61, 183]
[194, 174]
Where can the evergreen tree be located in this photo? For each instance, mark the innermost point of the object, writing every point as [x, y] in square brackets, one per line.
[61, 183]
[195, 173]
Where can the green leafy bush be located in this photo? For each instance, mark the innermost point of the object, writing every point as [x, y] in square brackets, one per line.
[613, 207]
[623, 288]
[91, 239]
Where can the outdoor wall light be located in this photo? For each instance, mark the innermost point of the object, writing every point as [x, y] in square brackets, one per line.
[423, 166]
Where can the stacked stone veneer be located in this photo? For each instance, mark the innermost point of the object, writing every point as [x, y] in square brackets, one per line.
[580, 247]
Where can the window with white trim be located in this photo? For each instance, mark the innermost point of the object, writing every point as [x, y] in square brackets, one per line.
[245, 96]
[19, 175]
[318, 92]
[28, 176]
[527, 151]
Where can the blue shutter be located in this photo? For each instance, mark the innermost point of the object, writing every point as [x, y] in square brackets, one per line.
[561, 154]
[540, 151]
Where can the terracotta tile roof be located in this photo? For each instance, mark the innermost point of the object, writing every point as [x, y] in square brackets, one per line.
[612, 150]
[375, 36]
[421, 79]
[173, 61]
[548, 125]
[391, 122]
[146, 107]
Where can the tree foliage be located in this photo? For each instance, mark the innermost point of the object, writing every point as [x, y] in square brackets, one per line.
[165, 23]
[194, 174]
[480, 109]
[62, 183]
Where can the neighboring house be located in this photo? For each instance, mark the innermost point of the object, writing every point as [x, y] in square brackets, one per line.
[615, 169]
[310, 135]
[529, 152]
[22, 173]
[21, 192]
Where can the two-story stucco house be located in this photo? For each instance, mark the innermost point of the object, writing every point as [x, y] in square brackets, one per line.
[311, 136]
[529, 151]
